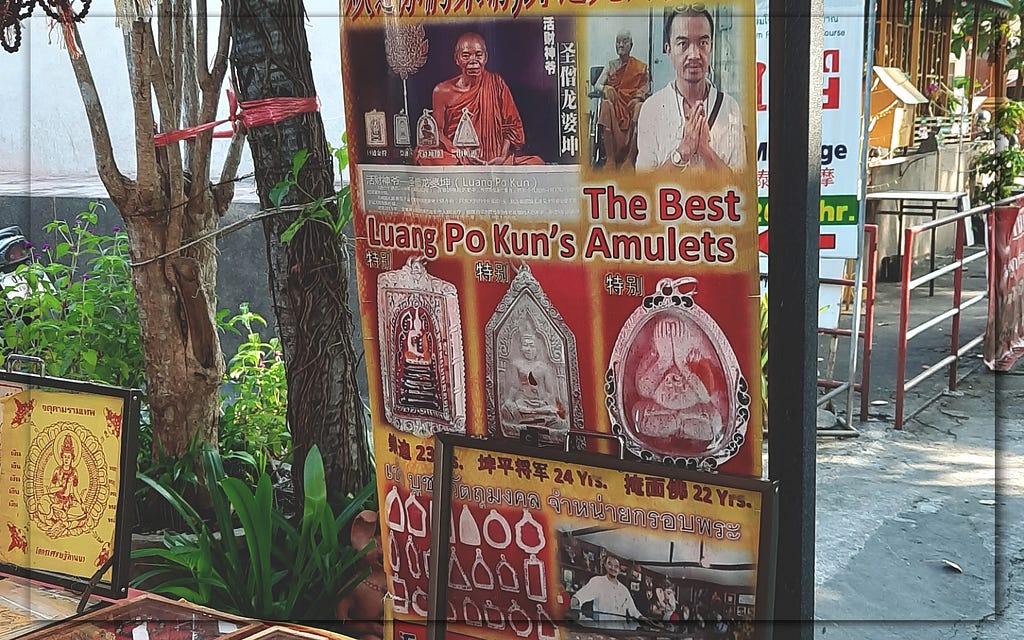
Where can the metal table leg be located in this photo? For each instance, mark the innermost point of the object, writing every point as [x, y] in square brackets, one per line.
[931, 258]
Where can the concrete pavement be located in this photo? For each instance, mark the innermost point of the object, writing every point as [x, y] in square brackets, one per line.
[894, 506]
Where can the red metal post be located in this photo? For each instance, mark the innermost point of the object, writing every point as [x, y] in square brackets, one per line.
[871, 233]
[958, 282]
[901, 337]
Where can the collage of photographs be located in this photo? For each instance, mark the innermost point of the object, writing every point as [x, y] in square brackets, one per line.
[637, 92]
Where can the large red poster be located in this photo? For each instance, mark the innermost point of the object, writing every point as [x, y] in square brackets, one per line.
[556, 213]
[1004, 333]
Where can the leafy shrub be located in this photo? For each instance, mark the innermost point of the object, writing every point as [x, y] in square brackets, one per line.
[335, 216]
[1000, 169]
[80, 314]
[254, 419]
[275, 570]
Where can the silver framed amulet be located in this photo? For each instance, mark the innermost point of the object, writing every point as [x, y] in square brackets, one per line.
[674, 390]
[423, 372]
[532, 369]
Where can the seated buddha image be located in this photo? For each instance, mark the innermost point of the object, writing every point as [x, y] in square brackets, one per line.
[61, 502]
[417, 364]
[532, 394]
[676, 384]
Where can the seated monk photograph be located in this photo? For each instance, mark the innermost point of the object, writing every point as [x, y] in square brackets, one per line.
[478, 119]
[622, 87]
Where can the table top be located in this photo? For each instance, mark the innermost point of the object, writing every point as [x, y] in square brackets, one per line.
[921, 196]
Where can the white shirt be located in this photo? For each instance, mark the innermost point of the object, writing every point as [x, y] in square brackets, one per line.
[609, 597]
[660, 129]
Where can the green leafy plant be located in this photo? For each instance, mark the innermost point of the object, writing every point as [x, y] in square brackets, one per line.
[276, 569]
[334, 216]
[76, 306]
[1010, 118]
[998, 170]
[1002, 168]
[255, 413]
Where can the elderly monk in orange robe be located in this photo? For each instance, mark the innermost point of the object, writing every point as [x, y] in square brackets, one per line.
[623, 87]
[482, 99]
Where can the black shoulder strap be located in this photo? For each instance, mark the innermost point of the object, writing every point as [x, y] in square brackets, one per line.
[715, 109]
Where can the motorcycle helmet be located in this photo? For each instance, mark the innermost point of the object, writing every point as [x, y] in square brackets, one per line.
[14, 249]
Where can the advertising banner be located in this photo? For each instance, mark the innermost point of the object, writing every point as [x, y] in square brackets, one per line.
[842, 108]
[1004, 333]
[555, 218]
[547, 545]
[60, 457]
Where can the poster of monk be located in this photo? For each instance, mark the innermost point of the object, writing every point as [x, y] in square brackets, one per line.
[665, 91]
[458, 93]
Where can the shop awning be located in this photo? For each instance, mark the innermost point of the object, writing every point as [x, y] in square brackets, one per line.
[896, 81]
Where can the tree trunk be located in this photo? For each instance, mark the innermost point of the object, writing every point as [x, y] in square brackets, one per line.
[184, 365]
[174, 288]
[308, 276]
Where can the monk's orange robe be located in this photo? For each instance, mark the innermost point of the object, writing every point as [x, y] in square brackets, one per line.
[495, 119]
[619, 109]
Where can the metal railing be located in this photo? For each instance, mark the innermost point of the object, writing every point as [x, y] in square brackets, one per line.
[959, 305]
[866, 335]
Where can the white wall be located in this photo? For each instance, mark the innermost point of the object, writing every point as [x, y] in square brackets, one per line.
[43, 127]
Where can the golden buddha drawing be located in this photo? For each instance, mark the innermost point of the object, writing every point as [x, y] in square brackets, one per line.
[66, 480]
[61, 501]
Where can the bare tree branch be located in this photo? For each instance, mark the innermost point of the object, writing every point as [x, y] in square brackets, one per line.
[164, 53]
[145, 151]
[161, 88]
[178, 18]
[210, 86]
[224, 192]
[220, 63]
[117, 185]
[190, 73]
[202, 70]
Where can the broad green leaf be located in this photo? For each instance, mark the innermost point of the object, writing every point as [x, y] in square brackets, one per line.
[299, 160]
[278, 193]
[289, 233]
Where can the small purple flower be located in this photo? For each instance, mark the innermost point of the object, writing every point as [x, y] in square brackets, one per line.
[36, 256]
[28, 245]
[46, 246]
[85, 278]
[117, 229]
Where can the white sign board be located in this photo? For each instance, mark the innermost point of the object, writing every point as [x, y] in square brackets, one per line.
[842, 107]
[841, 127]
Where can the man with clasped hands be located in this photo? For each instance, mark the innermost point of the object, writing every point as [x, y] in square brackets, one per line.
[690, 123]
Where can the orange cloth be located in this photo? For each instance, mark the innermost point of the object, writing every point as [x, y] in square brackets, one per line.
[495, 119]
[627, 83]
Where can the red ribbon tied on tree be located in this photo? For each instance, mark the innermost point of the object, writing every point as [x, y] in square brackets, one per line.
[255, 113]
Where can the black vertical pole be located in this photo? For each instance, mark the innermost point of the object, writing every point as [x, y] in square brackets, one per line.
[794, 157]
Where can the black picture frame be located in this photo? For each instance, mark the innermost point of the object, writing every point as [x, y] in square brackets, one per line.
[447, 444]
[131, 399]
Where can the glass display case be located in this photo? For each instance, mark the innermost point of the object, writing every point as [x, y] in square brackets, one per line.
[151, 617]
